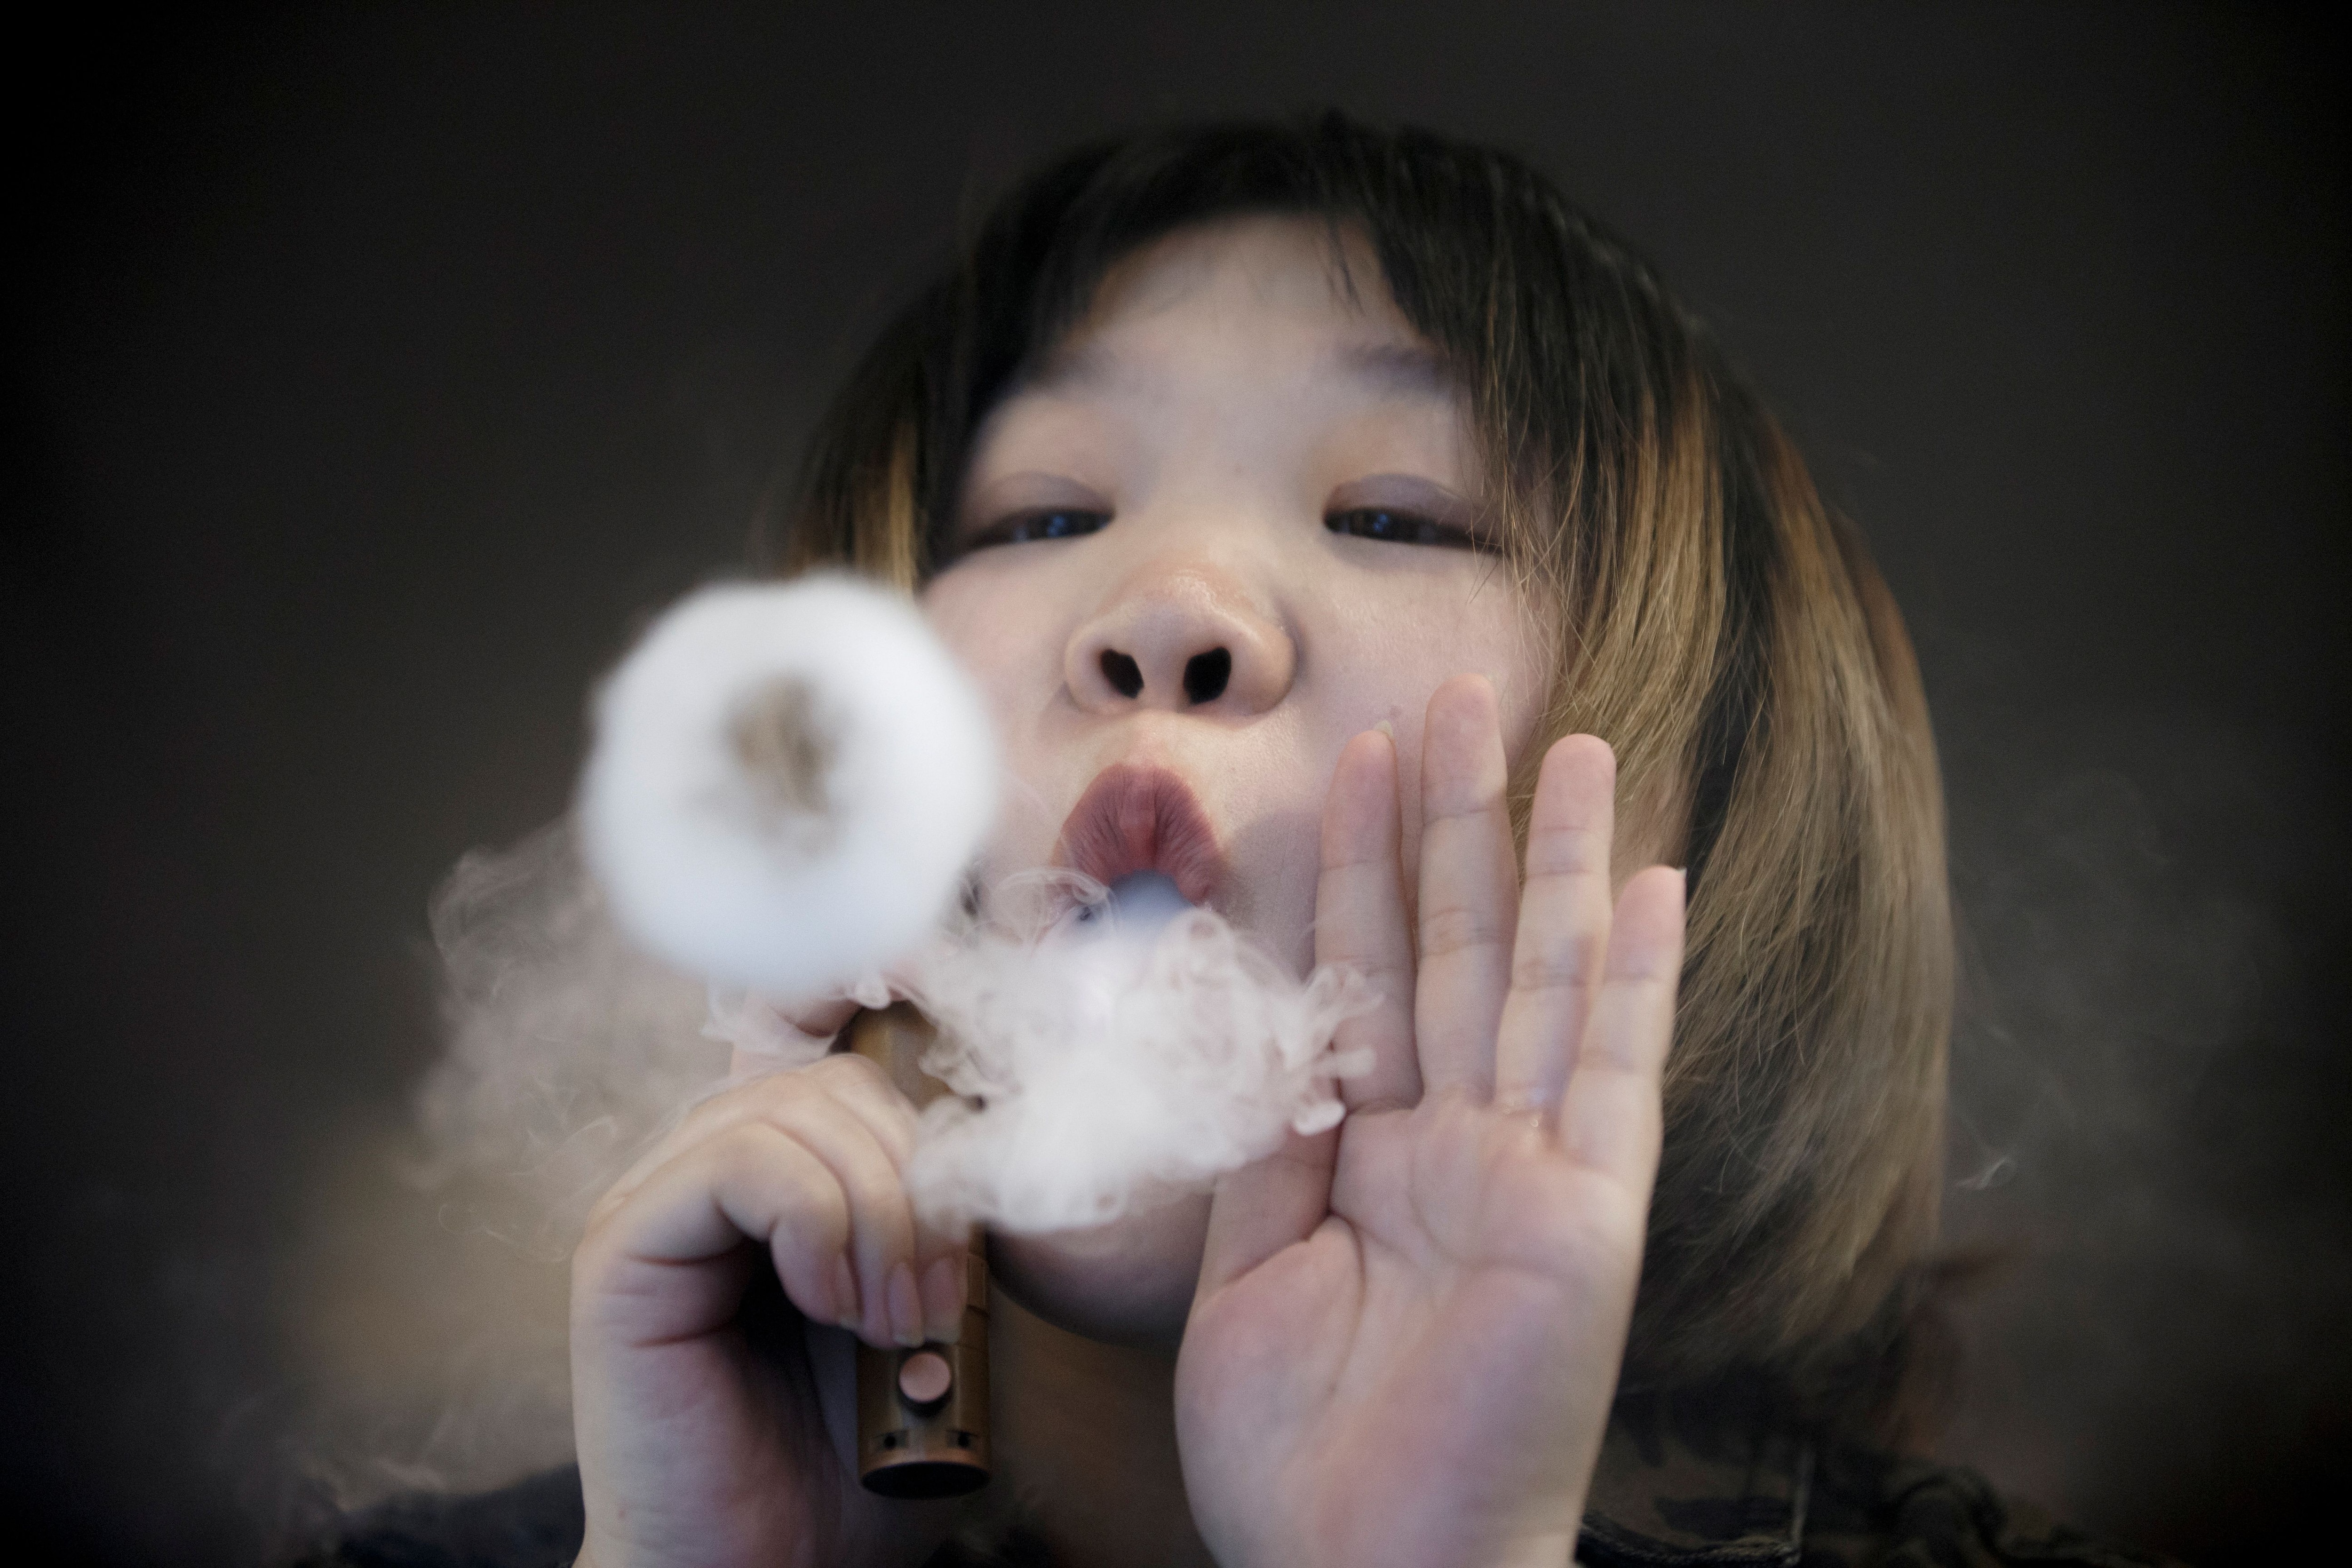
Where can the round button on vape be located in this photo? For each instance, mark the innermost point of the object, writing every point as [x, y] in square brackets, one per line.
[924, 1378]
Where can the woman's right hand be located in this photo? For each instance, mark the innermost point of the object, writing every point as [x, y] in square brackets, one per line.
[715, 1424]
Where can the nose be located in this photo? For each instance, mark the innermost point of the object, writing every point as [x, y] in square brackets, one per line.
[1185, 638]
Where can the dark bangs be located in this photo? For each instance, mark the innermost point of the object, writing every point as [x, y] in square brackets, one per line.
[1563, 342]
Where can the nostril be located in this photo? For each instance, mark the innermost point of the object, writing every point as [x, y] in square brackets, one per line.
[1205, 675]
[1124, 674]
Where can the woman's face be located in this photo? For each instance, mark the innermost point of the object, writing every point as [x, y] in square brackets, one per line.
[1227, 526]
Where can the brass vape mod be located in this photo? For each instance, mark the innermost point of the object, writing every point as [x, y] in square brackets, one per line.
[922, 1413]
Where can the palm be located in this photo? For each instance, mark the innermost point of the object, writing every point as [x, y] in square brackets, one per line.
[1408, 1331]
[718, 1417]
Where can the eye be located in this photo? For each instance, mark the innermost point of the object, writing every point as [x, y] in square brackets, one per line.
[1401, 527]
[1046, 522]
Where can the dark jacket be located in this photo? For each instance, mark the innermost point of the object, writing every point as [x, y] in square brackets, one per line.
[1665, 1495]
[1679, 1493]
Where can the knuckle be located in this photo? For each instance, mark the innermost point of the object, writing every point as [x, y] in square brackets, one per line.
[601, 1215]
[1453, 928]
[603, 1241]
[845, 1072]
[696, 1122]
[762, 1152]
[866, 1090]
[882, 1198]
[1569, 963]
[811, 1197]
[824, 1217]
[785, 1146]
[1561, 850]
[588, 1255]
[1458, 801]
[758, 1096]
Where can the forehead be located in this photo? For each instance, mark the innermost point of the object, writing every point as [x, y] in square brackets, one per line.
[1264, 289]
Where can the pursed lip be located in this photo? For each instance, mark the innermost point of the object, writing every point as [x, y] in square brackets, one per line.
[1137, 818]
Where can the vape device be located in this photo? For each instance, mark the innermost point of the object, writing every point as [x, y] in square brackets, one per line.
[922, 1413]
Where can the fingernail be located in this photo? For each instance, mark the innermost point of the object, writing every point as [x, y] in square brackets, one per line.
[906, 1306]
[943, 1298]
[1385, 728]
[845, 1311]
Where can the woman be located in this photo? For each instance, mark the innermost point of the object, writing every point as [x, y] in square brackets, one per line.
[1349, 506]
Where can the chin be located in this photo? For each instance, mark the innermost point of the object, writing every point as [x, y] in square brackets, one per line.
[1127, 1283]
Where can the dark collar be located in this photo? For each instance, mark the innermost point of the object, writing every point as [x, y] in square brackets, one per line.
[1669, 1493]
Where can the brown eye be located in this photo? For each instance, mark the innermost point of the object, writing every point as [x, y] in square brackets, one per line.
[1399, 527]
[1051, 522]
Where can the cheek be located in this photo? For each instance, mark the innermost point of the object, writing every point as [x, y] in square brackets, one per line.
[963, 607]
[991, 626]
[992, 623]
[1393, 648]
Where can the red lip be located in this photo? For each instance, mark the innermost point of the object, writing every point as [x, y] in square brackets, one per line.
[1135, 818]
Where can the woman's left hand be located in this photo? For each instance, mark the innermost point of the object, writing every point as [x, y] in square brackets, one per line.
[1408, 1330]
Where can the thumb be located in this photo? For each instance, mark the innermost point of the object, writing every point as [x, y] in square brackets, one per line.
[1264, 1207]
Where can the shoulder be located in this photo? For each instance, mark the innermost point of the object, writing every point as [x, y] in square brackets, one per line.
[538, 1523]
[1664, 1496]
[1869, 1507]
[535, 1523]
[1671, 1493]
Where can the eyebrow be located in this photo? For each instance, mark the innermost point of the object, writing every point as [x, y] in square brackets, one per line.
[1394, 370]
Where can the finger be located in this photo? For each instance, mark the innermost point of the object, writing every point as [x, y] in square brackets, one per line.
[1563, 938]
[1360, 920]
[757, 1183]
[863, 1088]
[860, 1085]
[847, 1115]
[882, 1221]
[936, 1290]
[1609, 1117]
[941, 1275]
[1469, 890]
[941, 1262]
[1264, 1207]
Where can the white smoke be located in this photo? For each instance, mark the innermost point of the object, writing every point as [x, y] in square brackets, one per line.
[788, 783]
[1099, 1070]
[568, 1048]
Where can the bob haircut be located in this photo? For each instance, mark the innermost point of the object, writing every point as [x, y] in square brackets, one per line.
[1725, 632]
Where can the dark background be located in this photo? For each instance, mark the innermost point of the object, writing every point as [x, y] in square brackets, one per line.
[371, 368]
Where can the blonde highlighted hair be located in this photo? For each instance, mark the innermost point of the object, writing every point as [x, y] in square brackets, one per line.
[1718, 625]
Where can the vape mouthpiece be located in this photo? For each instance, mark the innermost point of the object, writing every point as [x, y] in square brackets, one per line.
[1142, 902]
